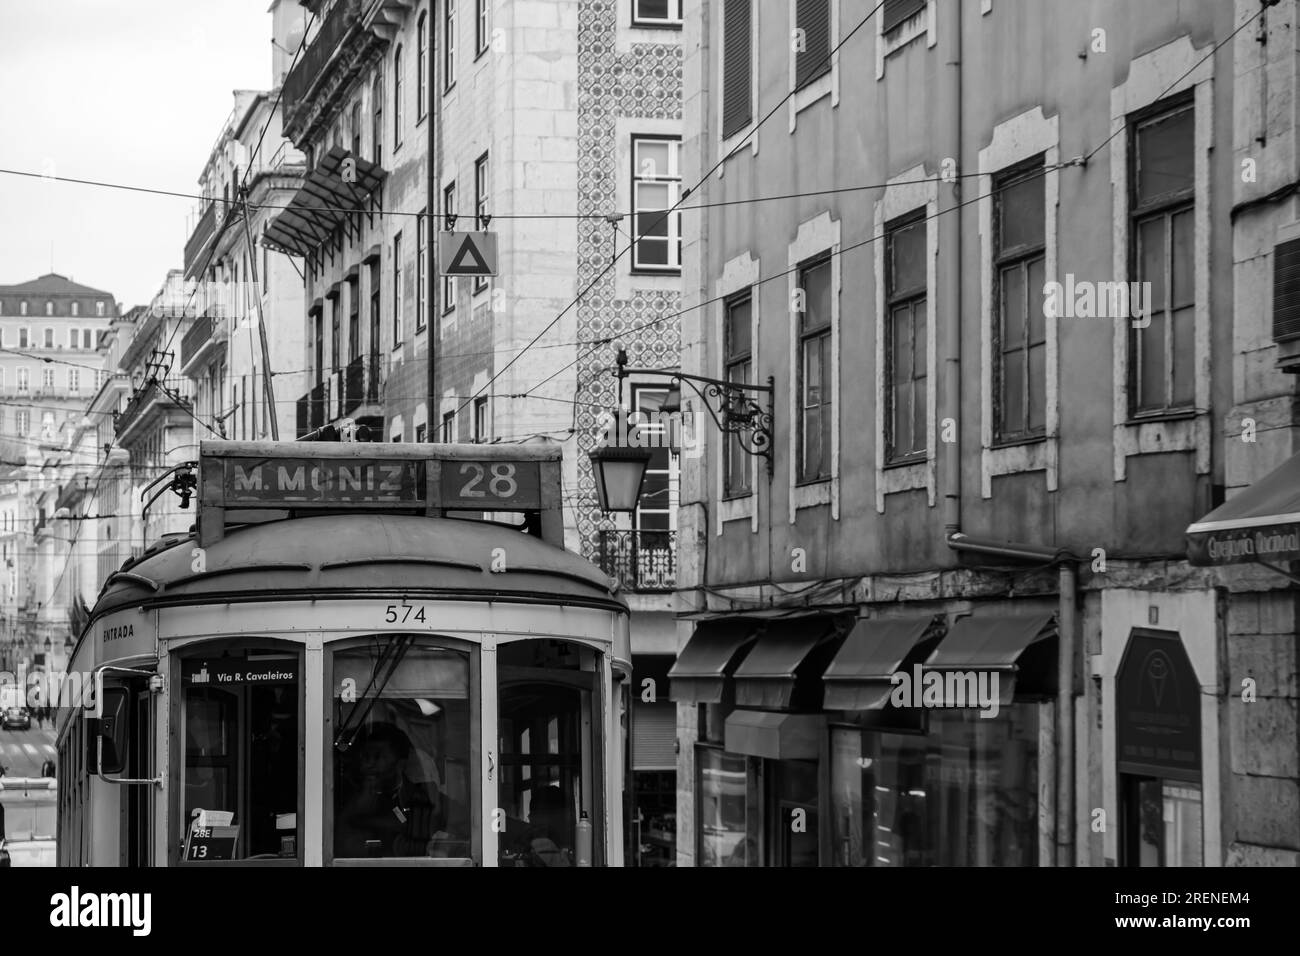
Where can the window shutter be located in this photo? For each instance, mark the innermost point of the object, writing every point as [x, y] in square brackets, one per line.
[1286, 291]
[896, 12]
[814, 18]
[736, 67]
[654, 734]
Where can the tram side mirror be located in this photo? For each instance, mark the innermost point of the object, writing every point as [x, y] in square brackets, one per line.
[112, 730]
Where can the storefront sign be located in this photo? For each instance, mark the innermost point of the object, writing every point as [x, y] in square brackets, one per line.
[1158, 708]
[1272, 543]
[238, 672]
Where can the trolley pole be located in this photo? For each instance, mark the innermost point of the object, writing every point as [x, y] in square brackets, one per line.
[268, 386]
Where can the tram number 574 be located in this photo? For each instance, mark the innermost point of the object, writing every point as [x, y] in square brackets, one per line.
[401, 613]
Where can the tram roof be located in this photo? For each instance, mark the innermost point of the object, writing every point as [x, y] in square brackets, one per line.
[353, 554]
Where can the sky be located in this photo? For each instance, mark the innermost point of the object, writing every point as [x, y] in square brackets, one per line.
[124, 91]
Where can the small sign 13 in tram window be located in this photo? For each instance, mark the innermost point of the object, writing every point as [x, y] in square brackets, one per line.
[490, 485]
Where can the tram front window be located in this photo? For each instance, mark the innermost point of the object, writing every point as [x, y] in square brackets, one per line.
[401, 750]
[240, 728]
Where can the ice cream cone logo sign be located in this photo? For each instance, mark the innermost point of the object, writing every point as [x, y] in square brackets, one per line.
[1157, 676]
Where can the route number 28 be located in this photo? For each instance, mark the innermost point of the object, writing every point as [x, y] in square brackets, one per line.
[501, 484]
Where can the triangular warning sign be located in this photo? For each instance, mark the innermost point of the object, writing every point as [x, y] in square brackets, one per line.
[459, 267]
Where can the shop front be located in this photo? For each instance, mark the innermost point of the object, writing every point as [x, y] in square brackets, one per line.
[837, 740]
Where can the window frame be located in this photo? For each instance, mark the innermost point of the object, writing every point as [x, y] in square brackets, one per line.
[481, 187]
[738, 132]
[397, 98]
[1165, 206]
[674, 183]
[210, 647]
[827, 65]
[377, 118]
[657, 23]
[421, 267]
[480, 419]
[397, 291]
[482, 27]
[735, 360]
[1035, 167]
[448, 46]
[421, 67]
[449, 288]
[448, 428]
[804, 336]
[917, 301]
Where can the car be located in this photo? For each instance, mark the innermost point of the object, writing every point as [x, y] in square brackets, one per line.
[17, 718]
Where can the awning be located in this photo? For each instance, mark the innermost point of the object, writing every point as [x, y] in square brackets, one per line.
[861, 676]
[976, 649]
[324, 200]
[759, 733]
[1260, 524]
[700, 673]
[766, 678]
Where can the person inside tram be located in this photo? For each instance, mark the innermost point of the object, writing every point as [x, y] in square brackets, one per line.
[386, 813]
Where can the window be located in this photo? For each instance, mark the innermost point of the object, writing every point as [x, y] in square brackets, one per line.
[99, 309]
[374, 317]
[88, 339]
[448, 44]
[397, 290]
[421, 67]
[814, 368]
[906, 437]
[336, 321]
[74, 380]
[22, 418]
[656, 13]
[239, 743]
[739, 363]
[421, 254]
[898, 12]
[480, 419]
[737, 66]
[813, 17]
[482, 26]
[24, 380]
[656, 186]
[449, 427]
[24, 335]
[319, 338]
[354, 317]
[726, 832]
[47, 378]
[49, 338]
[397, 98]
[76, 310]
[74, 338]
[377, 119]
[480, 206]
[1162, 355]
[656, 508]
[1020, 332]
[356, 129]
[49, 307]
[449, 215]
[421, 431]
[22, 307]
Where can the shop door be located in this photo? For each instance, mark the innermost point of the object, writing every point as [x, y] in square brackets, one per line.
[794, 837]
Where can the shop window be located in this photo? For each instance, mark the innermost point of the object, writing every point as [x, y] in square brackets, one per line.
[401, 730]
[965, 794]
[726, 830]
[240, 738]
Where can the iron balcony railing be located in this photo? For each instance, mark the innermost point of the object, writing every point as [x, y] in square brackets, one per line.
[198, 240]
[313, 408]
[196, 338]
[319, 52]
[174, 392]
[640, 560]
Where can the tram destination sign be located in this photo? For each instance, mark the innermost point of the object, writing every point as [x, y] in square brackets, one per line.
[322, 481]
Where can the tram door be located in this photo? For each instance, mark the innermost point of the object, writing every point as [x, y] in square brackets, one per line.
[138, 798]
[548, 714]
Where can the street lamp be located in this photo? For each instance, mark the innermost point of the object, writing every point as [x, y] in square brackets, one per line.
[619, 472]
[733, 406]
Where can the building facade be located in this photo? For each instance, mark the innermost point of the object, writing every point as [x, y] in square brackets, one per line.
[985, 450]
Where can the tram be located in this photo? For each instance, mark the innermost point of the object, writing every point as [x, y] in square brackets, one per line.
[361, 655]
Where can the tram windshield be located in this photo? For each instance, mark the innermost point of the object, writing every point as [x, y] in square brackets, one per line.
[402, 772]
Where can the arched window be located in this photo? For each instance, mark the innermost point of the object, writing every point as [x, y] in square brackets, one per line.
[421, 67]
[99, 308]
[49, 307]
[76, 308]
[397, 98]
[377, 119]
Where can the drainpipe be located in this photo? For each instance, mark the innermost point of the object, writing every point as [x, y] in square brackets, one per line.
[952, 297]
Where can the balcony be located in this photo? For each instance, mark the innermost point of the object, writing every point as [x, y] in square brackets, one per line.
[196, 245]
[342, 17]
[360, 385]
[204, 334]
[640, 560]
[313, 409]
[155, 396]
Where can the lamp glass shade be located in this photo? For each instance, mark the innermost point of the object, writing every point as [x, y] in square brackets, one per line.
[619, 473]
